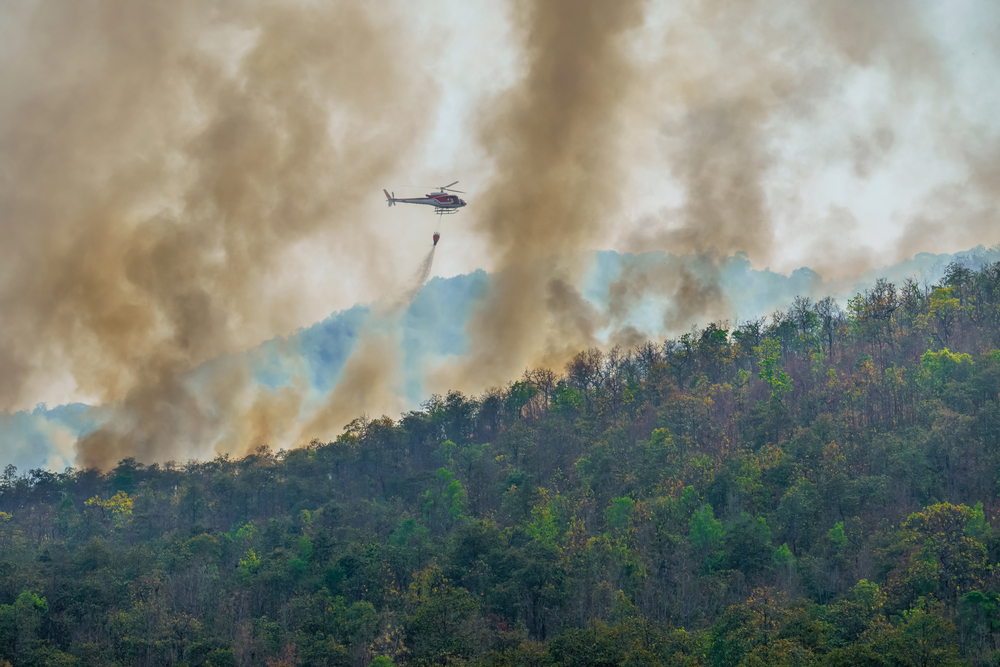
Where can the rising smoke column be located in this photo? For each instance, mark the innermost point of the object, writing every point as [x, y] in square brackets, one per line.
[553, 139]
[159, 161]
[734, 81]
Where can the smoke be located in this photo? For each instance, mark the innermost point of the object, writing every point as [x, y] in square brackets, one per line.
[369, 383]
[163, 165]
[159, 164]
[731, 91]
[692, 290]
[553, 141]
[963, 213]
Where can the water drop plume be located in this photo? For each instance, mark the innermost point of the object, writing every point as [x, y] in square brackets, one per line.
[420, 277]
[370, 381]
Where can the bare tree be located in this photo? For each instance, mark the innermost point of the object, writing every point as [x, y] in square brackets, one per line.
[584, 371]
[646, 355]
[831, 317]
[544, 380]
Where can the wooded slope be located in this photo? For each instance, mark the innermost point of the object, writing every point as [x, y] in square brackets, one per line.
[815, 487]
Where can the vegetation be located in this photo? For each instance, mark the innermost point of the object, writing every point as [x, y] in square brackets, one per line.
[818, 488]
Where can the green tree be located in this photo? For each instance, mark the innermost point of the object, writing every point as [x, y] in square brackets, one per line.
[858, 612]
[748, 628]
[543, 526]
[925, 638]
[444, 503]
[748, 546]
[706, 535]
[942, 366]
[944, 312]
[440, 619]
[939, 555]
[20, 624]
[619, 512]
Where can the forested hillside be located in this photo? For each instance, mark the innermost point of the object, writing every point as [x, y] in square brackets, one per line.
[817, 487]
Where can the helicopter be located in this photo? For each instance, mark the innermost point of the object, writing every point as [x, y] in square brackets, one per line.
[443, 203]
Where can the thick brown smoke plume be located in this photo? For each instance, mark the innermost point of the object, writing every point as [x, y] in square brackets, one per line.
[691, 296]
[159, 161]
[368, 384]
[554, 141]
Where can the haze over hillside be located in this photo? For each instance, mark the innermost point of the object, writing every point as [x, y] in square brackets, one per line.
[291, 377]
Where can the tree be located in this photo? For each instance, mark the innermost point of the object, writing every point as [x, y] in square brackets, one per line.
[798, 514]
[944, 366]
[943, 312]
[748, 629]
[925, 638]
[768, 357]
[858, 612]
[938, 554]
[706, 535]
[831, 318]
[439, 619]
[583, 373]
[20, 624]
[444, 503]
[748, 545]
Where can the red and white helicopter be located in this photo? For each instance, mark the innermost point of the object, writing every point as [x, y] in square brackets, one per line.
[442, 202]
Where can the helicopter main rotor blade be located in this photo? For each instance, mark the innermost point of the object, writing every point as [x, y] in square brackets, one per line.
[450, 184]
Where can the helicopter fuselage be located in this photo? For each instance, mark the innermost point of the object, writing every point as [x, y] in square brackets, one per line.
[439, 200]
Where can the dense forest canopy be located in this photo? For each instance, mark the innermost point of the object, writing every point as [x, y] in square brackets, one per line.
[817, 487]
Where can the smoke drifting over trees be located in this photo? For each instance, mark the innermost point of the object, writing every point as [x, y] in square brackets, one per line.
[727, 85]
[160, 166]
[734, 82]
[159, 161]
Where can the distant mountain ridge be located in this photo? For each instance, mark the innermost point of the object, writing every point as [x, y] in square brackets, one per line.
[432, 330]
